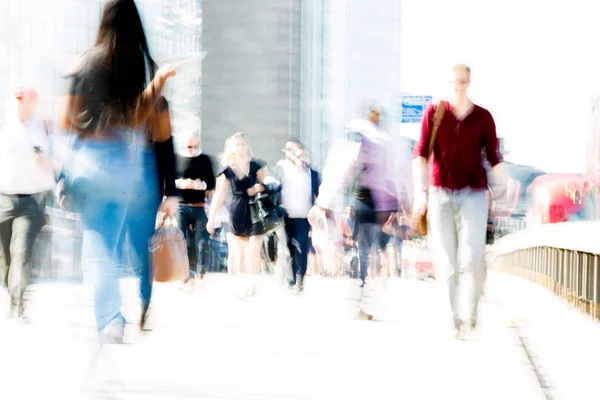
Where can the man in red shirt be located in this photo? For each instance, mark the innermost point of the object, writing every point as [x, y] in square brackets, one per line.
[457, 204]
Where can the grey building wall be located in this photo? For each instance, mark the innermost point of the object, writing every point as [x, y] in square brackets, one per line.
[251, 75]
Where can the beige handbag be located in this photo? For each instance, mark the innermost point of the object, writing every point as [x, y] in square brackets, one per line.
[168, 253]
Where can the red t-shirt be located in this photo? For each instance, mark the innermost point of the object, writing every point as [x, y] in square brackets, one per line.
[457, 157]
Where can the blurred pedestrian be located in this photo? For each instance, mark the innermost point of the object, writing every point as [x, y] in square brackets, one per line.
[456, 134]
[195, 177]
[300, 188]
[27, 174]
[245, 177]
[114, 90]
[360, 168]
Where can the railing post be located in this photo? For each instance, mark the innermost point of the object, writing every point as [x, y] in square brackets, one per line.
[567, 261]
[578, 279]
[584, 284]
[532, 262]
[595, 294]
[536, 265]
[574, 279]
[555, 254]
[546, 267]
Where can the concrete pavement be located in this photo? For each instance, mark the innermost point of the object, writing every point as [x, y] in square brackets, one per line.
[208, 344]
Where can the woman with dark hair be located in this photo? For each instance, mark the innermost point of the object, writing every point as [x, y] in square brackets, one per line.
[122, 160]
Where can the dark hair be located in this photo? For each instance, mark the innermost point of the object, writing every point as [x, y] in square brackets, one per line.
[122, 53]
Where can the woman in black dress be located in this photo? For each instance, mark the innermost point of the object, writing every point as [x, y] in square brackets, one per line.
[245, 176]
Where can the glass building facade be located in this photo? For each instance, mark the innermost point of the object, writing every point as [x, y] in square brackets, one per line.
[174, 29]
[40, 41]
[303, 69]
[351, 61]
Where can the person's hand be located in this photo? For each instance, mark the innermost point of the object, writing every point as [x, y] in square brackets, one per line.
[256, 189]
[180, 183]
[166, 72]
[170, 206]
[42, 162]
[210, 226]
[61, 198]
[199, 184]
[513, 188]
[420, 202]
[315, 215]
[184, 183]
[189, 184]
[504, 196]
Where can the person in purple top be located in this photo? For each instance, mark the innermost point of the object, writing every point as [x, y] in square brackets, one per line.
[361, 169]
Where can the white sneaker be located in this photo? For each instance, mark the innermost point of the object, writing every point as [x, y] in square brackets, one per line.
[114, 332]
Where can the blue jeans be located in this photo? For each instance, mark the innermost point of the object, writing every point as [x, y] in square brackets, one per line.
[139, 224]
[104, 177]
[368, 232]
[197, 239]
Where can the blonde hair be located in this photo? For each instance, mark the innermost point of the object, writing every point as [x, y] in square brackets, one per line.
[229, 154]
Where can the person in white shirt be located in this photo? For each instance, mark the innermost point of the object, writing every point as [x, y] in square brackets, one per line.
[26, 172]
[300, 185]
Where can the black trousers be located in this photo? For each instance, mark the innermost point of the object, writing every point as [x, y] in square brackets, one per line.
[297, 230]
[197, 239]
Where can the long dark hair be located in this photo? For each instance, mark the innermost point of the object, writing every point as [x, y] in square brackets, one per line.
[116, 71]
[125, 52]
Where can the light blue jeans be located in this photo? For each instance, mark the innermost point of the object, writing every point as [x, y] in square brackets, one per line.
[457, 233]
[139, 224]
[104, 177]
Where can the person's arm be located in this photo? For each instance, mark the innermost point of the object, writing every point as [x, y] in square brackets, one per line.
[262, 174]
[219, 196]
[160, 131]
[210, 179]
[339, 169]
[492, 146]
[492, 151]
[260, 185]
[316, 184]
[500, 176]
[420, 163]
[147, 100]
[67, 111]
[144, 106]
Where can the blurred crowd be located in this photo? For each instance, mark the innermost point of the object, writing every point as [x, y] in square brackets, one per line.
[111, 161]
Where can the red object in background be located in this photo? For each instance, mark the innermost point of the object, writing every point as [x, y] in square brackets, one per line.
[557, 197]
[421, 267]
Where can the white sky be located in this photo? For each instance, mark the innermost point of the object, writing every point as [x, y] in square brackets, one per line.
[536, 66]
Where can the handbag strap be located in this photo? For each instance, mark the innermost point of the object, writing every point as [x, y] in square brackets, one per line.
[440, 110]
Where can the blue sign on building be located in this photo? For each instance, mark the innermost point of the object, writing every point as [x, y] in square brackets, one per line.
[413, 107]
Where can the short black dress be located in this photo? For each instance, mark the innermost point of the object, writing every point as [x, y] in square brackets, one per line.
[239, 208]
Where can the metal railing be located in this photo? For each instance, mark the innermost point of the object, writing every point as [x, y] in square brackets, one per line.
[564, 258]
[57, 251]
